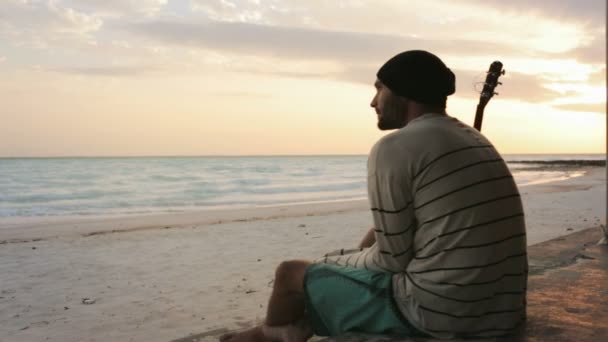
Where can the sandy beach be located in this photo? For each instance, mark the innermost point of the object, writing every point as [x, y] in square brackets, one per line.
[165, 277]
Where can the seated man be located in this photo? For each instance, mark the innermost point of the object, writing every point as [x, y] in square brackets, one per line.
[447, 257]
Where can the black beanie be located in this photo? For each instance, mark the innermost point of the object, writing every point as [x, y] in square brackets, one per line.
[418, 75]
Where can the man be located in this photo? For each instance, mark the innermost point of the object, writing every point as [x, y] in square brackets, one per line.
[447, 257]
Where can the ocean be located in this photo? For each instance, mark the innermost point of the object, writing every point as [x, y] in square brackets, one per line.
[38, 187]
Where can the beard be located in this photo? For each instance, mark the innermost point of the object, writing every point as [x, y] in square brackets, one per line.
[393, 114]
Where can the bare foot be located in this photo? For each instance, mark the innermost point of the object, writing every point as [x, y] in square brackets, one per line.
[227, 336]
[299, 331]
[249, 335]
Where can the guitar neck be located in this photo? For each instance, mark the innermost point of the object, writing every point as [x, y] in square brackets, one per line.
[488, 91]
[478, 117]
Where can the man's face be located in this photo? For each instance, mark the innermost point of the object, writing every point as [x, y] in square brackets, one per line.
[390, 108]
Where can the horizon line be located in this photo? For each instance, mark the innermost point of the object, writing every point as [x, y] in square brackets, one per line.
[245, 155]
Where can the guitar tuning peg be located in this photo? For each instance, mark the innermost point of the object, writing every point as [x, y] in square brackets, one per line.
[499, 83]
[495, 93]
[502, 72]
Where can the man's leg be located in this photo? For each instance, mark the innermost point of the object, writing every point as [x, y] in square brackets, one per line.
[285, 308]
[286, 303]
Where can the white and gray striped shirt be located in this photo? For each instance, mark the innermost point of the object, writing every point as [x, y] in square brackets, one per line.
[450, 226]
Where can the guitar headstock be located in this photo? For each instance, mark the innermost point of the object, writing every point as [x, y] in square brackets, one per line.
[491, 83]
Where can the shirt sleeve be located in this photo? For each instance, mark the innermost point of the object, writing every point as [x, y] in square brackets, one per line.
[392, 205]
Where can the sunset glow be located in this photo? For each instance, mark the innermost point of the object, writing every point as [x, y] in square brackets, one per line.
[264, 77]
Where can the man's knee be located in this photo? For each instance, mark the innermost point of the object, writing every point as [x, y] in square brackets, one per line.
[290, 274]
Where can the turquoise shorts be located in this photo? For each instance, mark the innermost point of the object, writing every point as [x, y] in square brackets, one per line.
[346, 299]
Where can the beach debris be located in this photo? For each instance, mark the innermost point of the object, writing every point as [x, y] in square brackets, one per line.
[569, 228]
[259, 260]
[244, 279]
[34, 247]
[575, 310]
[301, 226]
[25, 328]
[40, 324]
[88, 301]
[584, 256]
[66, 308]
[250, 291]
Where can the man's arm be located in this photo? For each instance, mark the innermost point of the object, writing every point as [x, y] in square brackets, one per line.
[369, 239]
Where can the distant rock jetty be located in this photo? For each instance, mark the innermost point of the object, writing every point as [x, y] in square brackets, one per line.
[574, 163]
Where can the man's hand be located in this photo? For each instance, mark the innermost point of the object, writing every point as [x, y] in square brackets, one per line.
[369, 239]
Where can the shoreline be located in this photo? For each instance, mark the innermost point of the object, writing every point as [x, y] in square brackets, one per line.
[37, 228]
[60, 199]
[49, 227]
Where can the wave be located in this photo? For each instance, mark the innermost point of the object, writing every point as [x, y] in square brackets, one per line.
[50, 187]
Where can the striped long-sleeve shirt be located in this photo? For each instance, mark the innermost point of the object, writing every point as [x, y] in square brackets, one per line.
[449, 226]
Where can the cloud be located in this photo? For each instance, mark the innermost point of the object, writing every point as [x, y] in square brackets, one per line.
[117, 8]
[469, 84]
[594, 53]
[109, 71]
[300, 43]
[121, 43]
[514, 85]
[357, 56]
[364, 75]
[234, 10]
[293, 74]
[523, 29]
[590, 12]
[38, 24]
[552, 28]
[287, 34]
[583, 107]
[598, 77]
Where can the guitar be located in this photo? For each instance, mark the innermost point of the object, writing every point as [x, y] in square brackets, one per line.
[488, 91]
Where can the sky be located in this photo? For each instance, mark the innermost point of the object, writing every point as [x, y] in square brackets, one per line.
[291, 77]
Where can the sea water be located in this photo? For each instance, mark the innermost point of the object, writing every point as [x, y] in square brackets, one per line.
[38, 187]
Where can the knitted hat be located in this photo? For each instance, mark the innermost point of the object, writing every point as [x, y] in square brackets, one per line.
[418, 75]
